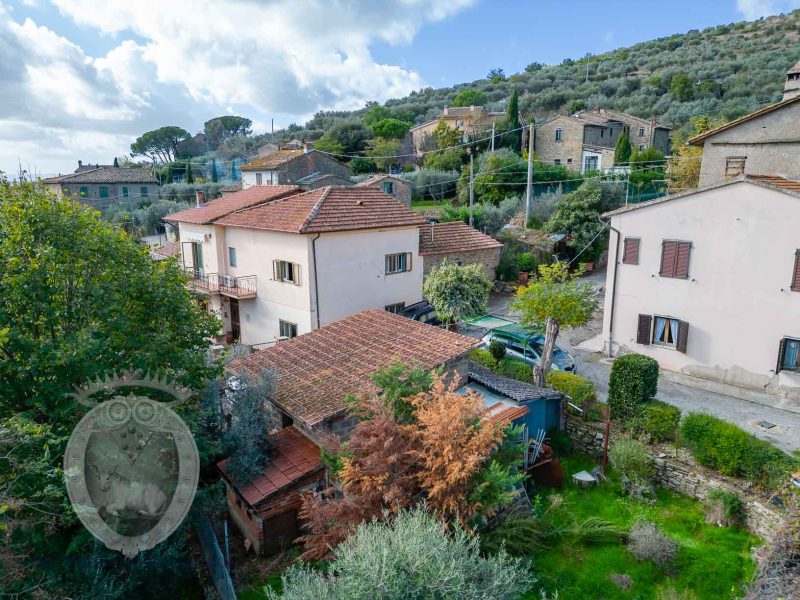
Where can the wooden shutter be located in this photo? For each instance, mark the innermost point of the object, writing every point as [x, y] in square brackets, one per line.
[669, 250]
[296, 274]
[781, 352]
[683, 336]
[796, 274]
[643, 332]
[682, 253]
[630, 255]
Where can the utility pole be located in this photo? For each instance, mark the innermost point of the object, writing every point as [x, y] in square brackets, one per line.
[588, 54]
[471, 193]
[492, 136]
[528, 191]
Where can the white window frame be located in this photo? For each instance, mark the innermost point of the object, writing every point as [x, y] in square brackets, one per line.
[286, 271]
[671, 345]
[395, 308]
[232, 262]
[287, 329]
[641, 131]
[259, 179]
[399, 262]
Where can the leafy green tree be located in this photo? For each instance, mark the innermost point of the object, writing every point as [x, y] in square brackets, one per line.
[622, 149]
[351, 134]
[496, 75]
[413, 550]
[513, 137]
[360, 165]
[457, 292]
[556, 299]
[400, 381]
[391, 128]
[160, 145]
[376, 113]
[469, 98]
[499, 174]
[328, 144]
[219, 129]
[576, 106]
[682, 87]
[577, 216]
[383, 152]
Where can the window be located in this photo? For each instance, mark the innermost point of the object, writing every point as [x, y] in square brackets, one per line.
[789, 355]
[66, 191]
[258, 179]
[569, 161]
[124, 192]
[398, 263]
[663, 331]
[602, 132]
[641, 131]
[675, 259]
[630, 254]
[286, 271]
[388, 187]
[287, 330]
[641, 147]
[734, 166]
[396, 308]
[557, 161]
[559, 135]
[84, 191]
[103, 191]
[232, 256]
[590, 163]
[459, 123]
[144, 191]
[796, 273]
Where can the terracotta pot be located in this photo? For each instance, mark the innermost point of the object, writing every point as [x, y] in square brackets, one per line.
[589, 267]
[523, 277]
[228, 338]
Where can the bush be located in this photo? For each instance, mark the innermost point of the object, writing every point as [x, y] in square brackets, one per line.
[634, 463]
[580, 389]
[497, 350]
[515, 369]
[634, 381]
[724, 508]
[647, 542]
[507, 269]
[526, 262]
[658, 421]
[559, 441]
[732, 451]
[484, 357]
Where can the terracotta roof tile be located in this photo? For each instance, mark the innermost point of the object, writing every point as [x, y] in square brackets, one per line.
[229, 203]
[316, 371]
[777, 181]
[106, 174]
[330, 208]
[273, 160]
[294, 456]
[456, 236]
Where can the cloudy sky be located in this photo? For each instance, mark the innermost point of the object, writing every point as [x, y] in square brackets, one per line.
[80, 79]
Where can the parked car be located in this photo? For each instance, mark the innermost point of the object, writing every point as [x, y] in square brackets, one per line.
[422, 312]
[526, 345]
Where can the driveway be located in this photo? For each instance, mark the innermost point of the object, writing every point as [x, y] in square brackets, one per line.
[779, 427]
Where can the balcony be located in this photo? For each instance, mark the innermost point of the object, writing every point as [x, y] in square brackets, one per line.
[227, 285]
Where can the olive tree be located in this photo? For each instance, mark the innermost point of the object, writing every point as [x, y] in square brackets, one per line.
[457, 292]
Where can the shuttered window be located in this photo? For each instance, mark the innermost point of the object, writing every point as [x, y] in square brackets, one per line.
[662, 331]
[630, 254]
[643, 329]
[398, 263]
[675, 259]
[796, 273]
[285, 271]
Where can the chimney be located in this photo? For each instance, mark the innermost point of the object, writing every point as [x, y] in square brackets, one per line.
[791, 88]
[446, 111]
[307, 147]
[472, 108]
[80, 164]
[200, 198]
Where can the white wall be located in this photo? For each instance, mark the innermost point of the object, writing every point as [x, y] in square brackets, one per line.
[737, 299]
[267, 178]
[351, 271]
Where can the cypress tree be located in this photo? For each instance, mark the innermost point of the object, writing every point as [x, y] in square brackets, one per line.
[512, 121]
[622, 150]
[189, 174]
[214, 176]
[116, 162]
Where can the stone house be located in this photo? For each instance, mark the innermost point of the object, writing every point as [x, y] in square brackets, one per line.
[318, 180]
[458, 242]
[288, 165]
[764, 142]
[101, 185]
[586, 140]
[469, 119]
[401, 189]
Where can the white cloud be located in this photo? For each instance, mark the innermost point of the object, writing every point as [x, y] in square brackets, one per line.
[754, 9]
[175, 65]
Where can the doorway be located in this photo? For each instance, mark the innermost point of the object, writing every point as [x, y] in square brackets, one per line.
[236, 328]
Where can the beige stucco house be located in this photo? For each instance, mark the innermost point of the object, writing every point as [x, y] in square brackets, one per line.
[471, 120]
[708, 283]
[765, 142]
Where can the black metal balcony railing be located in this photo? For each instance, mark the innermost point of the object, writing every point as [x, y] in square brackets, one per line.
[227, 285]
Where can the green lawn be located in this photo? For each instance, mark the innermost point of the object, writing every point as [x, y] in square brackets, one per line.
[713, 562]
[428, 205]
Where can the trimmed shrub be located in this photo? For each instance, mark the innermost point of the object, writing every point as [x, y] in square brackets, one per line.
[634, 463]
[724, 508]
[484, 357]
[497, 350]
[634, 381]
[515, 369]
[580, 389]
[526, 262]
[647, 542]
[732, 451]
[657, 421]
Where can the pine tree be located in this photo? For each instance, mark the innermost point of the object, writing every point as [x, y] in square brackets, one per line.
[189, 174]
[512, 121]
[622, 150]
[214, 176]
[116, 163]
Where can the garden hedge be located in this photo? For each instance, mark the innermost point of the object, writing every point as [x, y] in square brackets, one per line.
[634, 381]
[657, 420]
[580, 389]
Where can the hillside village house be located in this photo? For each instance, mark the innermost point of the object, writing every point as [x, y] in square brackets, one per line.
[397, 187]
[469, 119]
[586, 140]
[98, 185]
[459, 243]
[289, 165]
[274, 263]
[765, 142]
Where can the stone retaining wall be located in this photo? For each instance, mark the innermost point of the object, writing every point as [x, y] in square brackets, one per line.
[677, 470]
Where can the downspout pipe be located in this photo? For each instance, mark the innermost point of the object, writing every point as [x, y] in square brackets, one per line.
[316, 285]
[613, 283]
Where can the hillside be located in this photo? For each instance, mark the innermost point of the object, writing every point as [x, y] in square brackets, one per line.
[727, 70]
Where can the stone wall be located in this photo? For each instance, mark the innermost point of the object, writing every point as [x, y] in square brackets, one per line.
[488, 259]
[677, 470]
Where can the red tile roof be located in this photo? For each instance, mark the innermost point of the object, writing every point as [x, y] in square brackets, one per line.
[456, 236]
[229, 203]
[273, 160]
[293, 457]
[316, 371]
[331, 208]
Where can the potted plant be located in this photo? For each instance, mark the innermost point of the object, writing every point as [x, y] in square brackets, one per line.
[229, 337]
[527, 264]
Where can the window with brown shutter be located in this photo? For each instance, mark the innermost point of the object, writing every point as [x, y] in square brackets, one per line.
[643, 329]
[796, 273]
[630, 254]
[675, 259]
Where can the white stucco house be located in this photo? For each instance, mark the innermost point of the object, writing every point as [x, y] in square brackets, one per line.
[274, 263]
[708, 283]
